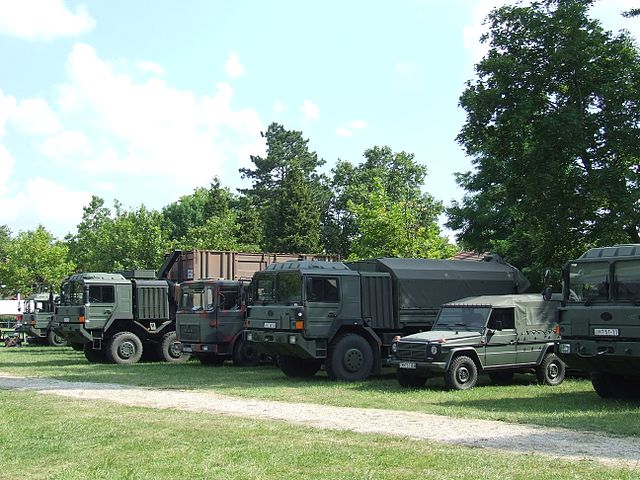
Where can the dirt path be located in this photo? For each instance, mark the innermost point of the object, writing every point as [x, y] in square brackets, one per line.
[558, 443]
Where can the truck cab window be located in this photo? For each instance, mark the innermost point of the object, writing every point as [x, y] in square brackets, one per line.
[229, 299]
[627, 286]
[322, 289]
[101, 294]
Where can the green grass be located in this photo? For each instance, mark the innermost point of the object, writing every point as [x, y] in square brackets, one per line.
[572, 405]
[45, 437]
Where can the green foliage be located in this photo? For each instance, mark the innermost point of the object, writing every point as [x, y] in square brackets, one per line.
[216, 233]
[33, 259]
[553, 126]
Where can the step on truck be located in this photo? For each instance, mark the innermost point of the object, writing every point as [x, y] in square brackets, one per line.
[35, 321]
[344, 316]
[599, 323]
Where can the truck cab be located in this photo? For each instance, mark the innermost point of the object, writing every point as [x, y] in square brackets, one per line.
[35, 321]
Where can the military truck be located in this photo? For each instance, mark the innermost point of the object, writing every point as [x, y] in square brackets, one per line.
[599, 324]
[345, 315]
[210, 321]
[36, 320]
[495, 334]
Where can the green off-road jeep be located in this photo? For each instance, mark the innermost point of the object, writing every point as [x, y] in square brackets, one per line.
[494, 334]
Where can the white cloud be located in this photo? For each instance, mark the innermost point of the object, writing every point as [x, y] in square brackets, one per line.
[7, 106]
[279, 106]
[42, 19]
[233, 68]
[405, 68]
[151, 67]
[6, 169]
[66, 145]
[34, 116]
[348, 129]
[310, 111]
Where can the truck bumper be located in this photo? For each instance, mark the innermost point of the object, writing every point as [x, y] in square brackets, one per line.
[74, 333]
[621, 358]
[206, 348]
[291, 344]
[34, 332]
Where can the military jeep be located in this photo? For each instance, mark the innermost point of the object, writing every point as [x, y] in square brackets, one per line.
[494, 334]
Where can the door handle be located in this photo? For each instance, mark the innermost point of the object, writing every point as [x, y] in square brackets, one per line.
[331, 314]
[107, 311]
[513, 342]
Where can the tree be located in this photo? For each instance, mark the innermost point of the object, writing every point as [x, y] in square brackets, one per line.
[287, 192]
[83, 246]
[553, 124]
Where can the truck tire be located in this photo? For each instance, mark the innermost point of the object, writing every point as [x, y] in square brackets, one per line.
[92, 355]
[409, 380]
[298, 367]
[78, 347]
[551, 370]
[350, 358]
[608, 385]
[55, 340]
[245, 353]
[124, 348]
[169, 349]
[211, 360]
[462, 374]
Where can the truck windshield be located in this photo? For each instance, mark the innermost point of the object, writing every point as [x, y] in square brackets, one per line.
[197, 297]
[71, 293]
[265, 290]
[627, 284]
[289, 288]
[588, 282]
[283, 287]
[455, 317]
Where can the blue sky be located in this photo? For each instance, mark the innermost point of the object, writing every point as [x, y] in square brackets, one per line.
[142, 101]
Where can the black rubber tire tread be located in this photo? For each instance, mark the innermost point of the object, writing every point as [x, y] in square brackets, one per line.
[78, 347]
[54, 340]
[166, 349]
[350, 358]
[93, 356]
[501, 378]
[245, 353]
[210, 360]
[608, 385]
[551, 361]
[116, 341]
[409, 380]
[298, 367]
[452, 376]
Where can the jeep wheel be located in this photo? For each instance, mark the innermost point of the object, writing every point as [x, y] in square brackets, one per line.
[210, 360]
[245, 353]
[501, 378]
[551, 371]
[350, 358]
[124, 348]
[462, 374]
[298, 367]
[409, 380]
[92, 355]
[55, 340]
[170, 349]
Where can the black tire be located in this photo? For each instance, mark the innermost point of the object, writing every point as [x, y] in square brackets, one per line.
[409, 380]
[170, 349]
[608, 385]
[93, 356]
[55, 340]
[350, 358]
[124, 348]
[245, 353]
[78, 347]
[501, 378]
[211, 360]
[462, 374]
[298, 367]
[551, 370]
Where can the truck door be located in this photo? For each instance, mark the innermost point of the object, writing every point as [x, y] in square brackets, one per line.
[101, 303]
[230, 316]
[322, 304]
[500, 346]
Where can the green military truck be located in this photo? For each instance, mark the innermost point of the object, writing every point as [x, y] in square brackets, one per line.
[599, 324]
[210, 321]
[117, 318]
[36, 320]
[345, 315]
[495, 334]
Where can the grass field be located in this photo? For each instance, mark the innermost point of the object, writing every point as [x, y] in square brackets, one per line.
[45, 437]
[572, 405]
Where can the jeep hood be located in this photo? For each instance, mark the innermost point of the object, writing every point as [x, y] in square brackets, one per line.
[450, 336]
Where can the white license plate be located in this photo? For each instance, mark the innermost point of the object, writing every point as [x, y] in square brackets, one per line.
[187, 349]
[269, 325]
[606, 332]
[411, 365]
[65, 319]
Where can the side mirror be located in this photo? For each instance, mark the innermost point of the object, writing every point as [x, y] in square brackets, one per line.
[547, 293]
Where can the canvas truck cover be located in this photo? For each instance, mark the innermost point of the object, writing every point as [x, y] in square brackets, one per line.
[427, 284]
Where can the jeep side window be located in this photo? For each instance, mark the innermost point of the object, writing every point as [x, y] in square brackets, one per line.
[322, 289]
[504, 316]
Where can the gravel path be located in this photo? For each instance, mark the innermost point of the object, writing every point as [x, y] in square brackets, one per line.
[557, 443]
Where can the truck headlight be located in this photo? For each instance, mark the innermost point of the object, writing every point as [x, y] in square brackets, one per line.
[394, 347]
[249, 336]
[564, 348]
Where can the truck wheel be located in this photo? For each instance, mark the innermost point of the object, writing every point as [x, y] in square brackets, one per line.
[211, 360]
[78, 347]
[462, 374]
[56, 340]
[409, 380]
[501, 378]
[93, 356]
[608, 385]
[350, 358]
[170, 349]
[124, 348]
[245, 354]
[298, 367]
[551, 371]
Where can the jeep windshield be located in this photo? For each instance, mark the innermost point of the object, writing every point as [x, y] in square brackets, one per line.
[471, 318]
[197, 297]
[281, 287]
[588, 282]
[71, 293]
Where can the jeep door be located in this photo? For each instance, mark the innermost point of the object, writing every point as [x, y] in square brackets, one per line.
[501, 338]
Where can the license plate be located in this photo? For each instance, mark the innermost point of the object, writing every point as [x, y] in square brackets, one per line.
[65, 319]
[187, 349]
[606, 332]
[269, 325]
[411, 365]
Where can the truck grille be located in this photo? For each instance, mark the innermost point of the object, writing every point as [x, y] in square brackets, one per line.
[189, 333]
[412, 351]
